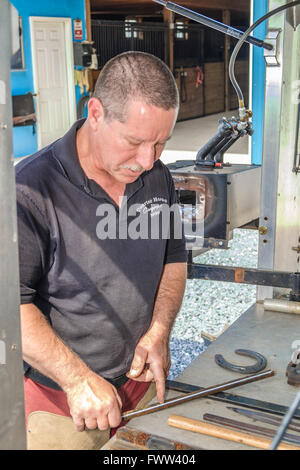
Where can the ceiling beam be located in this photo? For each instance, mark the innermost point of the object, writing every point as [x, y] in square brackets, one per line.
[150, 6]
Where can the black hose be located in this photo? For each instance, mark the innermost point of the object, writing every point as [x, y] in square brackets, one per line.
[241, 42]
[81, 106]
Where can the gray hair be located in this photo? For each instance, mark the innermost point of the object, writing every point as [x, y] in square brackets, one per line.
[135, 76]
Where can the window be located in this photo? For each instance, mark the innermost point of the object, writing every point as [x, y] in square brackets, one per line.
[130, 31]
[181, 31]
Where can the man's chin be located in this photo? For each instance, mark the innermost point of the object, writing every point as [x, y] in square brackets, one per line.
[129, 176]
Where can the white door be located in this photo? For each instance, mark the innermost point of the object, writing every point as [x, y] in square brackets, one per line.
[53, 77]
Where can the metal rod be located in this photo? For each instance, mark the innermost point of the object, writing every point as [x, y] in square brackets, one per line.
[223, 28]
[198, 394]
[285, 422]
[242, 275]
[263, 417]
[259, 430]
[239, 400]
[280, 305]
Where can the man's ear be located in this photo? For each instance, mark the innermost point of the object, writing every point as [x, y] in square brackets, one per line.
[95, 112]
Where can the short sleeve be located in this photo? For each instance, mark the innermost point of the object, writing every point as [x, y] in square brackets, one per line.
[33, 242]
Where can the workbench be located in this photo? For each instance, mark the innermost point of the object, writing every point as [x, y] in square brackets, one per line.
[269, 333]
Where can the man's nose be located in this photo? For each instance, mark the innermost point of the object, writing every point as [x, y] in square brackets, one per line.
[146, 157]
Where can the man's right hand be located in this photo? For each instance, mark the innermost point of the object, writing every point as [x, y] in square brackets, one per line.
[94, 403]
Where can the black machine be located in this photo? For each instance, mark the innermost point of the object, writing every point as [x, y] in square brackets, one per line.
[82, 54]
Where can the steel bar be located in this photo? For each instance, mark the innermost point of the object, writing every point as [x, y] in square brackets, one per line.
[263, 417]
[241, 426]
[285, 422]
[206, 21]
[243, 275]
[198, 394]
[239, 400]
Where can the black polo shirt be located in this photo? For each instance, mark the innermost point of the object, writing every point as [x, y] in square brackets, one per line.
[97, 293]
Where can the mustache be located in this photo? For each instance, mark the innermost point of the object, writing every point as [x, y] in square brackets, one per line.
[136, 168]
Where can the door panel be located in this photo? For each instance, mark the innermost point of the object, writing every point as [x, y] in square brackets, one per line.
[51, 80]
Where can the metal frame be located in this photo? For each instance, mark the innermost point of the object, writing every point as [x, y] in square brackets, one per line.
[260, 277]
[279, 183]
[12, 418]
[279, 244]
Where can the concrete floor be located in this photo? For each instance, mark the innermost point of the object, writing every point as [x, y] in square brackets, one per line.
[189, 136]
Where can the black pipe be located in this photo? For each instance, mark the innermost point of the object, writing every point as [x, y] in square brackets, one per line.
[224, 131]
[223, 28]
[219, 155]
[218, 149]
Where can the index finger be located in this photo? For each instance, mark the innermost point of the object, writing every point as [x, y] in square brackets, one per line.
[159, 379]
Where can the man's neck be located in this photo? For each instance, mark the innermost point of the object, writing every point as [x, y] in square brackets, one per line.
[111, 186]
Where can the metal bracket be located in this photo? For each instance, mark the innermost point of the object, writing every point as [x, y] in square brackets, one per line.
[272, 56]
[293, 16]
[293, 369]
[296, 357]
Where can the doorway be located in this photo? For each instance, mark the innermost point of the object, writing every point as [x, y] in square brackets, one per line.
[53, 74]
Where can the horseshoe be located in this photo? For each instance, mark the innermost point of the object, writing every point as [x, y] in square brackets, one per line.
[260, 364]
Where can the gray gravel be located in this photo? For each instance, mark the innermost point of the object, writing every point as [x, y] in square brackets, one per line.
[210, 306]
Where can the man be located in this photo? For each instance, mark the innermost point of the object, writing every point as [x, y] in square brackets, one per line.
[97, 310]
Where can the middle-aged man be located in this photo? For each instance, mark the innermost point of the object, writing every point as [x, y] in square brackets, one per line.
[97, 307]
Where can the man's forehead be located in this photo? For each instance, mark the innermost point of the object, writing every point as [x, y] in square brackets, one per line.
[143, 106]
[145, 122]
[135, 138]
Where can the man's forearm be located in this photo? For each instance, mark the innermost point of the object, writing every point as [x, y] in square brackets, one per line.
[152, 355]
[46, 352]
[169, 298]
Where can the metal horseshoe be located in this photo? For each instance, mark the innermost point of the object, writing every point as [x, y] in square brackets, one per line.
[260, 364]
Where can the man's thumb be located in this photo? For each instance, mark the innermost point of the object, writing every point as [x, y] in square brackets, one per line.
[138, 364]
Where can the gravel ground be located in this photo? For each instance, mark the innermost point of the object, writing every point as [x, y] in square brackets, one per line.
[210, 306]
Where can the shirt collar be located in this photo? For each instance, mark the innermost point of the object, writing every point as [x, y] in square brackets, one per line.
[65, 152]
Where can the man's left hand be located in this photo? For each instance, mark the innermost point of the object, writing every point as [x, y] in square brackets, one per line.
[152, 362]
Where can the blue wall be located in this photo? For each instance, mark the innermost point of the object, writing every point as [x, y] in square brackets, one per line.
[24, 141]
[258, 83]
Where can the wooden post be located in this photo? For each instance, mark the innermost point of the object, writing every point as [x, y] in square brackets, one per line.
[88, 20]
[226, 20]
[89, 38]
[169, 17]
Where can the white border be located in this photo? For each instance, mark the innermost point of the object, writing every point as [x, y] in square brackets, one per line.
[69, 63]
